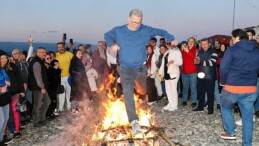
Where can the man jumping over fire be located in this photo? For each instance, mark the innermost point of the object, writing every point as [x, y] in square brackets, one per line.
[131, 40]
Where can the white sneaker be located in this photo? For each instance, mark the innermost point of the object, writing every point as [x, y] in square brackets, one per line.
[150, 103]
[172, 109]
[56, 112]
[239, 122]
[167, 107]
[136, 129]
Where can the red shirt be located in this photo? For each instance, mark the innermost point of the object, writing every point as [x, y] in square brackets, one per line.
[188, 61]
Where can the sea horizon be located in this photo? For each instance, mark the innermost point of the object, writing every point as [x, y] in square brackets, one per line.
[8, 46]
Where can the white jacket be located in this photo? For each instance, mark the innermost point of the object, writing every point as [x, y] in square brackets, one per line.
[173, 69]
[153, 69]
[92, 75]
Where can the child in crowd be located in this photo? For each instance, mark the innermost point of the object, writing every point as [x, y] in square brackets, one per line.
[92, 75]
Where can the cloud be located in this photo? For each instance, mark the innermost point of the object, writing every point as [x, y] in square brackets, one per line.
[52, 31]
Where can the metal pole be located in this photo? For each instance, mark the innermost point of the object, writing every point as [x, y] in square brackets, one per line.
[234, 10]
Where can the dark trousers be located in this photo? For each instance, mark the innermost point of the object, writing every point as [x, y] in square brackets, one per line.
[40, 106]
[130, 79]
[206, 86]
[151, 90]
[163, 88]
[115, 84]
[53, 104]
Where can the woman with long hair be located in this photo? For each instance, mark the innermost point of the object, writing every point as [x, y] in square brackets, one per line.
[80, 88]
[5, 100]
[16, 90]
[151, 74]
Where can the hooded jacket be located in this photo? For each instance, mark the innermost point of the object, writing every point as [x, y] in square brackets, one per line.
[240, 65]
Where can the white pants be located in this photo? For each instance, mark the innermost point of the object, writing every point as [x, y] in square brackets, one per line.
[158, 86]
[64, 96]
[171, 92]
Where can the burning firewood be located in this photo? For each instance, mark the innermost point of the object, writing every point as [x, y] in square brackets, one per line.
[161, 132]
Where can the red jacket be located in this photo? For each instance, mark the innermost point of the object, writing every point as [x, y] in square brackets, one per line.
[188, 61]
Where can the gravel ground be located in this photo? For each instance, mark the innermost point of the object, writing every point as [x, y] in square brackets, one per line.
[184, 127]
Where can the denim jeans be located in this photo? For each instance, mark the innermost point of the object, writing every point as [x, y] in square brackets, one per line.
[257, 99]
[4, 116]
[131, 78]
[245, 103]
[163, 88]
[190, 80]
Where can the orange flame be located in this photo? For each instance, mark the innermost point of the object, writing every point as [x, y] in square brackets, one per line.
[115, 113]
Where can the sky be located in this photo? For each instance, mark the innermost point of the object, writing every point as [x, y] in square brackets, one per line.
[87, 20]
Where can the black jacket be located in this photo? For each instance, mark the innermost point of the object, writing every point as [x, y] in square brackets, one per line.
[16, 80]
[54, 77]
[32, 83]
[23, 68]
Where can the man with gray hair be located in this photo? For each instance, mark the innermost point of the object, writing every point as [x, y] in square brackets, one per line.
[130, 41]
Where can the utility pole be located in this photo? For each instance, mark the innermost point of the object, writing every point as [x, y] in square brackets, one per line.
[234, 10]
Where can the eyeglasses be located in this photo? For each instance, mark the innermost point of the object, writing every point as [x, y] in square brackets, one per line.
[134, 22]
[48, 58]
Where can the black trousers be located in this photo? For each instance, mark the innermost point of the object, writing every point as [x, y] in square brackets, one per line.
[206, 86]
[52, 91]
[151, 90]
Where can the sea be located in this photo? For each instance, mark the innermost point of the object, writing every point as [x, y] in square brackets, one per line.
[9, 46]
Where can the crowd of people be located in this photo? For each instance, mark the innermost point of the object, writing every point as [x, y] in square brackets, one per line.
[68, 79]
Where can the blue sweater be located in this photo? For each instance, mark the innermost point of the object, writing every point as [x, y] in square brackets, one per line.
[240, 64]
[132, 53]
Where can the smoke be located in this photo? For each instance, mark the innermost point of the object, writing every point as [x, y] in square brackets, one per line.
[79, 128]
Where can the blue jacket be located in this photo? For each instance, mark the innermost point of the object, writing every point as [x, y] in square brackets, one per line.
[208, 63]
[240, 64]
[3, 77]
[132, 53]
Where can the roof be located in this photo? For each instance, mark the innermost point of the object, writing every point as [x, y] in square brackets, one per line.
[223, 39]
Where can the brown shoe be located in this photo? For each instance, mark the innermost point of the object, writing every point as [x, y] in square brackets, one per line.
[228, 136]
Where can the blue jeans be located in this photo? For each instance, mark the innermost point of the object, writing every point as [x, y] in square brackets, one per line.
[4, 116]
[216, 92]
[190, 80]
[131, 78]
[245, 103]
[257, 99]
[163, 88]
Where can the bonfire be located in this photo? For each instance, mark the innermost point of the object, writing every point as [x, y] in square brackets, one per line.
[115, 130]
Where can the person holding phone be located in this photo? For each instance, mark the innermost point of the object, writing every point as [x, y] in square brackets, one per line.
[64, 58]
[189, 70]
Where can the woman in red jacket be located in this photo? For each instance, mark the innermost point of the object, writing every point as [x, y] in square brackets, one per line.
[189, 75]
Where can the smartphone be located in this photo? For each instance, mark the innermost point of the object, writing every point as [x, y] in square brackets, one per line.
[30, 39]
[64, 36]
[71, 41]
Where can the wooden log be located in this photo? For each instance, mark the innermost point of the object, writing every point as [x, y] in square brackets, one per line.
[161, 133]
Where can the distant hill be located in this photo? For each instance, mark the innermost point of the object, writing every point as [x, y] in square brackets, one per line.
[9, 46]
